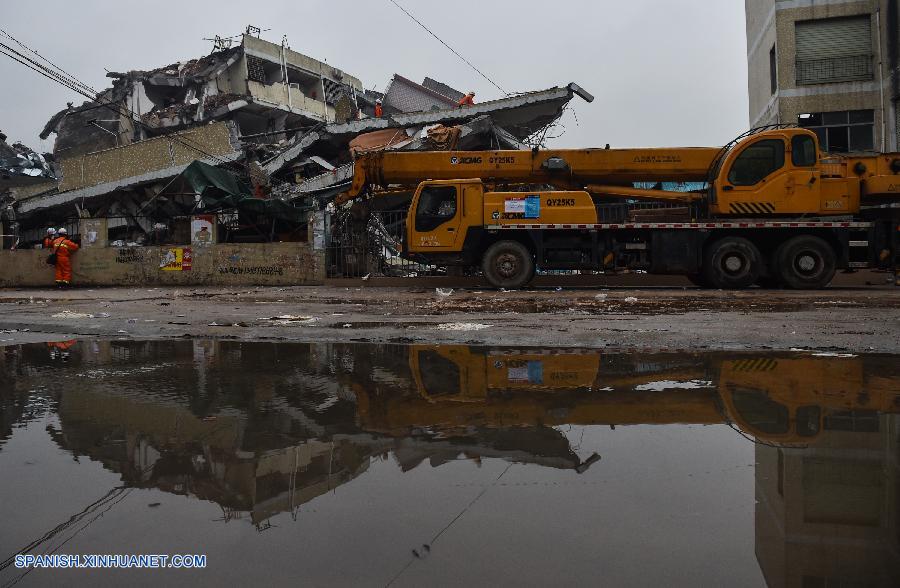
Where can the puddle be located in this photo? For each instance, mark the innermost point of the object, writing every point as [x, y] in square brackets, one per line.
[337, 464]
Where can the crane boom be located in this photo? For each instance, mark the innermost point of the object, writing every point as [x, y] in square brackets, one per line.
[569, 168]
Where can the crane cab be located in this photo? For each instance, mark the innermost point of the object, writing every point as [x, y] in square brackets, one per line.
[781, 172]
[444, 212]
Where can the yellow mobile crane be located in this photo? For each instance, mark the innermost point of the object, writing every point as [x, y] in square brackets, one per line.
[773, 210]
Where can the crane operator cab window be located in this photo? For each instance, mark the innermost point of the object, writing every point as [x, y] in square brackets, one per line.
[760, 413]
[440, 375]
[756, 162]
[437, 205]
[803, 151]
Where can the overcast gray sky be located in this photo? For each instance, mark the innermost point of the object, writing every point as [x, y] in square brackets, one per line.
[664, 73]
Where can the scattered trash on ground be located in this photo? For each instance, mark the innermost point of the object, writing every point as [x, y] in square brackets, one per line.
[631, 299]
[291, 318]
[68, 314]
[462, 326]
[443, 291]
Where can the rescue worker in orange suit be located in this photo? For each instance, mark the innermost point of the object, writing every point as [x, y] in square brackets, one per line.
[378, 109]
[467, 100]
[48, 240]
[60, 349]
[64, 248]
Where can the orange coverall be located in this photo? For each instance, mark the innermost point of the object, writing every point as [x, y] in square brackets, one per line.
[62, 345]
[378, 111]
[64, 249]
[60, 349]
[48, 242]
[466, 101]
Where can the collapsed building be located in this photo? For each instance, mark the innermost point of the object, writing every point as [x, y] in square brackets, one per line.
[258, 135]
[22, 172]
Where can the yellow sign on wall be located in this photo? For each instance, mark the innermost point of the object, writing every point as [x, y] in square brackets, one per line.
[176, 259]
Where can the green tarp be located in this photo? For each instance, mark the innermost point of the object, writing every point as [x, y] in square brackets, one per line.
[220, 189]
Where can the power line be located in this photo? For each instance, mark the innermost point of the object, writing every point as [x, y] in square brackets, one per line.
[41, 70]
[27, 48]
[455, 52]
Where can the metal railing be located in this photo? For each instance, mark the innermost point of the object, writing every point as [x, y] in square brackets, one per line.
[356, 247]
[835, 69]
[134, 231]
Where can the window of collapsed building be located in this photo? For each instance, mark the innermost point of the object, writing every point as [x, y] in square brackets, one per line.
[309, 84]
[844, 131]
[254, 125]
[164, 96]
[264, 71]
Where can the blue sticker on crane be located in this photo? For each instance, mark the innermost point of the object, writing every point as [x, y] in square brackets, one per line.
[532, 207]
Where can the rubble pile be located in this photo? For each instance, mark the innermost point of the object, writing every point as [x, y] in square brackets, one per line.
[20, 164]
[285, 125]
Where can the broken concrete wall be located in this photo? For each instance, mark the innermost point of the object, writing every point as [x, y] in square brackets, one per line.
[405, 95]
[264, 264]
[279, 95]
[76, 134]
[148, 156]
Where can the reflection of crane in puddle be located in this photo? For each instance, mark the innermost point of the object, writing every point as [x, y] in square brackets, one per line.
[777, 398]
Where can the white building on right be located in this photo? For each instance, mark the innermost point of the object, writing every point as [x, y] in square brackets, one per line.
[829, 65]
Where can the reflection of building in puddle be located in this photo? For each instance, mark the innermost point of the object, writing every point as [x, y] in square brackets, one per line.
[257, 465]
[256, 468]
[829, 514]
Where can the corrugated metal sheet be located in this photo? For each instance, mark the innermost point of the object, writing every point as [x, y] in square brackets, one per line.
[834, 37]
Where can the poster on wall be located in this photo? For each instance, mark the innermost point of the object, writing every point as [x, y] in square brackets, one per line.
[176, 259]
[203, 229]
[93, 232]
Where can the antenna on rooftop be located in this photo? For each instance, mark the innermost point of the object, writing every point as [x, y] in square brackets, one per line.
[220, 43]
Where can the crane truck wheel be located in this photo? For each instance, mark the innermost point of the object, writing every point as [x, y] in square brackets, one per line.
[508, 264]
[805, 262]
[731, 263]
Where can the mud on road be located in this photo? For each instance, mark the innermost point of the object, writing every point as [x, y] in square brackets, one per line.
[848, 319]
